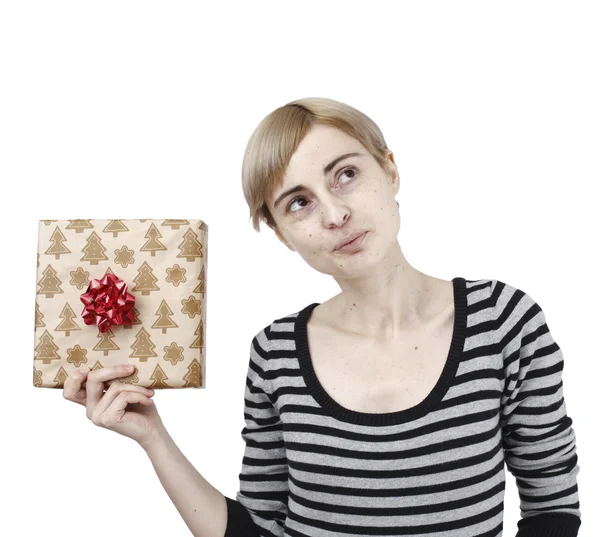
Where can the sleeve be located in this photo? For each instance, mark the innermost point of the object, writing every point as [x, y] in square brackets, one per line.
[260, 506]
[537, 434]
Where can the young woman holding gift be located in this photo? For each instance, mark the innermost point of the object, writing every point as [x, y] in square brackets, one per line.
[389, 409]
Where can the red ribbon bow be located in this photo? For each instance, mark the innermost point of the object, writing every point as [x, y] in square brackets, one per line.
[107, 303]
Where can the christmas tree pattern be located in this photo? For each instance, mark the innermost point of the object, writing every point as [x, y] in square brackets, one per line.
[175, 224]
[77, 356]
[153, 244]
[115, 227]
[39, 317]
[79, 225]
[159, 377]
[97, 365]
[57, 248]
[106, 342]
[143, 348]
[60, 378]
[67, 315]
[190, 247]
[94, 249]
[49, 284]
[136, 319]
[173, 353]
[184, 237]
[193, 377]
[47, 222]
[145, 281]
[46, 349]
[199, 341]
[201, 287]
[164, 320]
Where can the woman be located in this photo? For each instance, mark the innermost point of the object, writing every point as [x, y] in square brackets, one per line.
[389, 409]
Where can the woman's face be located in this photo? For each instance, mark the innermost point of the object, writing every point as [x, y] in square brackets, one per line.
[338, 198]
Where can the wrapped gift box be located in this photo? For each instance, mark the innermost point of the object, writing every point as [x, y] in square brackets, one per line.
[163, 263]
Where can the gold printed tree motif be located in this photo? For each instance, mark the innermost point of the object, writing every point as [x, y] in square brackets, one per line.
[164, 320]
[143, 348]
[106, 342]
[193, 378]
[46, 349]
[124, 256]
[49, 284]
[80, 278]
[176, 275]
[97, 365]
[199, 341]
[39, 316]
[173, 353]
[79, 225]
[159, 377]
[48, 222]
[191, 247]
[201, 287]
[153, 244]
[135, 313]
[60, 377]
[94, 249]
[67, 315]
[115, 227]
[77, 356]
[145, 281]
[175, 224]
[191, 307]
[57, 248]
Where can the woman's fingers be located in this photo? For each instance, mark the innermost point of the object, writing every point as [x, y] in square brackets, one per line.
[95, 384]
[116, 413]
[74, 387]
[114, 390]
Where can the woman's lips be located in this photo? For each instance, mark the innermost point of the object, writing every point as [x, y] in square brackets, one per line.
[352, 246]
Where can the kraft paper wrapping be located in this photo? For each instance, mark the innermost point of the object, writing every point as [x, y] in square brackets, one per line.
[164, 265]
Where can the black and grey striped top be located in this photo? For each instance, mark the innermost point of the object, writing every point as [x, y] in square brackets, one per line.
[313, 468]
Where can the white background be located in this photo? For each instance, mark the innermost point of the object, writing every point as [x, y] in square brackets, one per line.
[143, 109]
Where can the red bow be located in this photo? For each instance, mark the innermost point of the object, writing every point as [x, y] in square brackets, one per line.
[107, 303]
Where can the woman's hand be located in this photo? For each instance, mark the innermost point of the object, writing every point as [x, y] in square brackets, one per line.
[140, 421]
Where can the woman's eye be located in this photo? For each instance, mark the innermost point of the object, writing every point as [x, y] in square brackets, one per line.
[349, 168]
[344, 171]
[293, 201]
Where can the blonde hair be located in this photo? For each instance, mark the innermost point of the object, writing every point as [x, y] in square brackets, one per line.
[277, 136]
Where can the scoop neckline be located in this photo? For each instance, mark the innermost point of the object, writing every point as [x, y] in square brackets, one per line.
[435, 396]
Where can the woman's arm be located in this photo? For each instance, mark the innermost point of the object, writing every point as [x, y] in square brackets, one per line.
[201, 505]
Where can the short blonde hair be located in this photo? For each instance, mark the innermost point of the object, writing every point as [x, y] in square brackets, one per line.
[277, 136]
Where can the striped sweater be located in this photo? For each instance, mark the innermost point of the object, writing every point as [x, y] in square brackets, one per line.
[313, 468]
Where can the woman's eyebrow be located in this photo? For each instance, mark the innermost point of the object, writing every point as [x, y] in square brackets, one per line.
[329, 166]
[326, 170]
